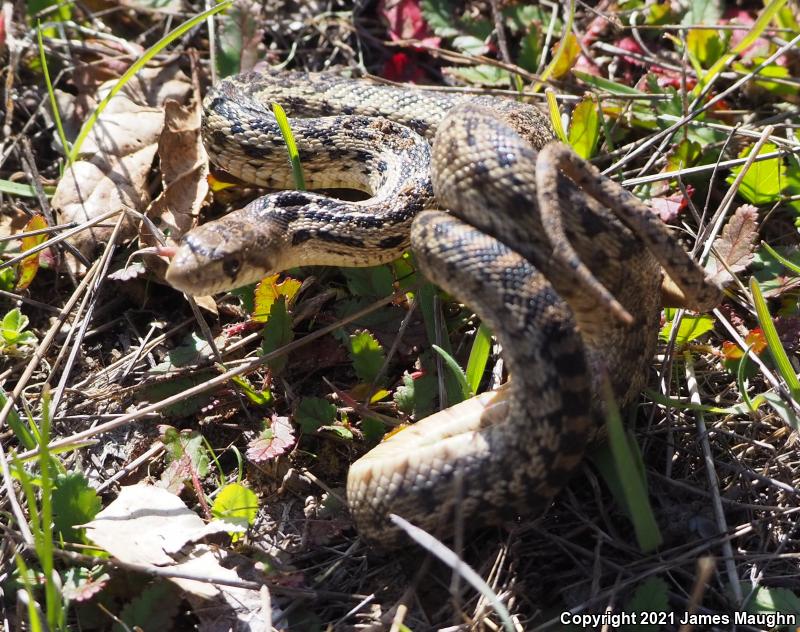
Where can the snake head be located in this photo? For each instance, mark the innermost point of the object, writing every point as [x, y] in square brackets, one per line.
[218, 256]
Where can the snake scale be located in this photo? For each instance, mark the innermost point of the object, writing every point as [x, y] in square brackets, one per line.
[564, 265]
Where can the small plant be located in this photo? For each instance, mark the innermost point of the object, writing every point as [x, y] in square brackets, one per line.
[13, 336]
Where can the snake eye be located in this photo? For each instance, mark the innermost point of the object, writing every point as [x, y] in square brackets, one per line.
[231, 267]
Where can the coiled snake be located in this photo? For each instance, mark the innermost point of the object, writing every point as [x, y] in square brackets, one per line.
[561, 263]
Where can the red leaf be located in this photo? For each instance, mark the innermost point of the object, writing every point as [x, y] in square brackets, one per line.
[273, 441]
[405, 22]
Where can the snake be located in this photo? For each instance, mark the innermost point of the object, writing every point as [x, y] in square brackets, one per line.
[566, 268]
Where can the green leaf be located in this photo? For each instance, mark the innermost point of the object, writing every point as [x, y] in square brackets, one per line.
[702, 12]
[17, 188]
[277, 333]
[155, 608]
[291, 146]
[259, 398]
[74, 503]
[772, 600]
[478, 356]
[440, 16]
[691, 327]
[705, 46]
[416, 395]
[774, 344]
[236, 28]
[480, 75]
[651, 595]
[236, 503]
[457, 372]
[772, 71]
[372, 282]
[367, 355]
[623, 470]
[373, 429]
[584, 128]
[313, 413]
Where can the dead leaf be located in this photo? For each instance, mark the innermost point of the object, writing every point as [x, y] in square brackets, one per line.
[149, 525]
[118, 154]
[735, 245]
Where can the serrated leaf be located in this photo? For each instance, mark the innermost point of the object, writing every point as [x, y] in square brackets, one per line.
[236, 503]
[29, 266]
[367, 355]
[277, 332]
[313, 413]
[584, 128]
[440, 16]
[155, 608]
[735, 245]
[267, 292]
[764, 180]
[74, 503]
[702, 12]
[342, 431]
[275, 439]
[187, 457]
[416, 395]
[691, 327]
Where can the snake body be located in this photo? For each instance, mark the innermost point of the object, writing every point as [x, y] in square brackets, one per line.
[564, 266]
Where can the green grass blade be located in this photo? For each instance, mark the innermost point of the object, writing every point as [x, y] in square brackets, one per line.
[478, 357]
[151, 52]
[780, 258]
[17, 188]
[630, 477]
[50, 93]
[291, 146]
[457, 372]
[555, 116]
[774, 345]
[766, 16]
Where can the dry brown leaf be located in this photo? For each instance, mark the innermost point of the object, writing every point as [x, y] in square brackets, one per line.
[184, 168]
[735, 245]
[118, 155]
[149, 525]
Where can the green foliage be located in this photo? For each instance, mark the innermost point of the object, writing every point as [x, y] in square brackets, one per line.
[367, 355]
[651, 595]
[691, 327]
[12, 334]
[478, 357]
[622, 467]
[277, 332]
[702, 12]
[766, 600]
[74, 503]
[371, 282]
[236, 503]
[373, 429]
[236, 29]
[458, 373]
[259, 398]
[416, 395]
[313, 413]
[155, 608]
[584, 128]
[291, 147]
[764, 180]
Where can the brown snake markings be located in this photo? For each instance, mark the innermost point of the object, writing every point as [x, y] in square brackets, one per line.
[564, 266]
